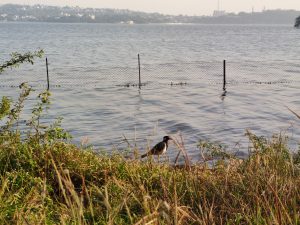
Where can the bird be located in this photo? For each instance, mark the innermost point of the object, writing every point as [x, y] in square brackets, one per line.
[159, 148]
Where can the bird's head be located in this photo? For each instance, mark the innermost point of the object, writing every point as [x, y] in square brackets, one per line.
[166, 138]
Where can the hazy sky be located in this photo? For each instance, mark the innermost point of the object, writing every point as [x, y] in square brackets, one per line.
[190, 7]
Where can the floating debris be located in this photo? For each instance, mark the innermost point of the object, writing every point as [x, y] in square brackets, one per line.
[178, 84]
[131, 85]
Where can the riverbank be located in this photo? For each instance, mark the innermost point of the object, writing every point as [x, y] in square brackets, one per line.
[47, 180]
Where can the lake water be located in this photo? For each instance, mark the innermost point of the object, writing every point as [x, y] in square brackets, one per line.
[93, 66]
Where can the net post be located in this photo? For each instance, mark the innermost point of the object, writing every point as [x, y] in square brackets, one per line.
[224, 75]
[139, 64]
[48, 85]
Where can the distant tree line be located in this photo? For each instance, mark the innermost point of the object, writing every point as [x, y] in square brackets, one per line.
[297, 23]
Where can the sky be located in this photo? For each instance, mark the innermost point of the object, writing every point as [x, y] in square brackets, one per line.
[175, 7]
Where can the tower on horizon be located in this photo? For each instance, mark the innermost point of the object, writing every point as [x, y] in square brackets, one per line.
[219, 12]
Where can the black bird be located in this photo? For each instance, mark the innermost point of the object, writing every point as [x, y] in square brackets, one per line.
[159, 148]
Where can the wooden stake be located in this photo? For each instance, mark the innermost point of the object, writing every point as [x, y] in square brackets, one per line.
[140, 83]
[224, 75]
[48, 85]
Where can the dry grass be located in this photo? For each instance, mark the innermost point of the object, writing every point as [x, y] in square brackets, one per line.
[59, 183]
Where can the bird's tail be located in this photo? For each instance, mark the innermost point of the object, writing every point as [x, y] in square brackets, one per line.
[143, 156]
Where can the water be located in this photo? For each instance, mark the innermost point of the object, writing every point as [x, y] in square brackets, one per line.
[89, 63]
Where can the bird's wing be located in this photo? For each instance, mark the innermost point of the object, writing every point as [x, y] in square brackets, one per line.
[158, 148]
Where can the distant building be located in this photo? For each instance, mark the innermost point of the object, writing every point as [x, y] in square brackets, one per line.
[219, 13]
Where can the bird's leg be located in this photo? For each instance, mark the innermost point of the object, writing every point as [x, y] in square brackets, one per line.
[151, 159]
[166, 159]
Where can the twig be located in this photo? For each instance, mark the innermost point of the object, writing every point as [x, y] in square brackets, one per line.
[297, 115]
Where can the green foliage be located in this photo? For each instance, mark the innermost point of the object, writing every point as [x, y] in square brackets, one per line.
[17, 59]
[13, 114]
[56, 132]
[4, 107]
[210, 150]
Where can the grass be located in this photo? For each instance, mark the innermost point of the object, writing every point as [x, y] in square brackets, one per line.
[45, 179]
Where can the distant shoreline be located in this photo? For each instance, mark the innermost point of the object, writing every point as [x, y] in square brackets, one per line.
[54, 14]
[151, 24]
